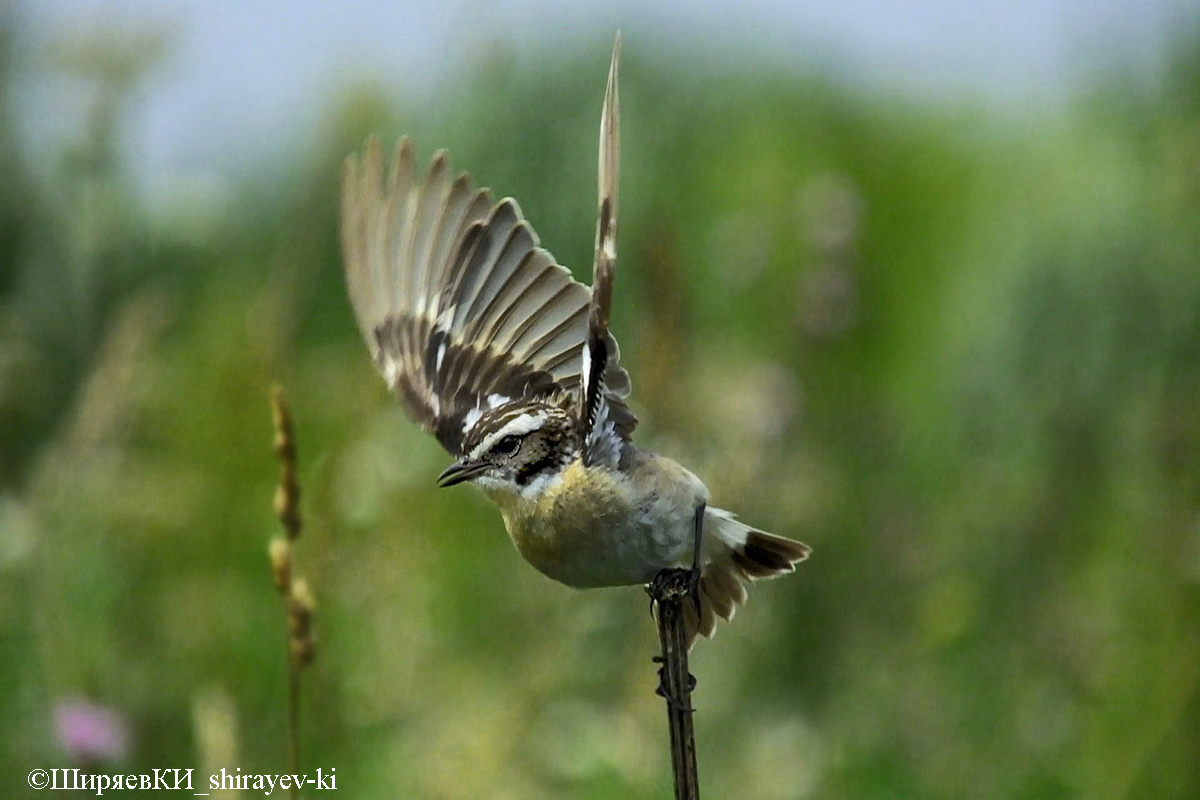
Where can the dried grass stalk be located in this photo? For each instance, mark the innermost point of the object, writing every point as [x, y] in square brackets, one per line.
[298, 601]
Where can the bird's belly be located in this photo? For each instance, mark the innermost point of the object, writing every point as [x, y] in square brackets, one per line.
[591, 554]
[597, 532]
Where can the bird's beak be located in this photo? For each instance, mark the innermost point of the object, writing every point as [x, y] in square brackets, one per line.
[459, 471]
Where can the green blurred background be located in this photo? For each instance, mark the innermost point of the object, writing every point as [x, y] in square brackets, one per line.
[953, 347]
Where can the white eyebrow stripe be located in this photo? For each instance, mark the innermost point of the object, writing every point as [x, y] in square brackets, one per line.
[517, 426]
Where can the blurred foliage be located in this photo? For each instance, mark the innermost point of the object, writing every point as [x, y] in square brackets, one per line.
[957, 352]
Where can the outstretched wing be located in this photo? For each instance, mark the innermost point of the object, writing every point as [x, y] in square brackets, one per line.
[460, 307]
[601, 439]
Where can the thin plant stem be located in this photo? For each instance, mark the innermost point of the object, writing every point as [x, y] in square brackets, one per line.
[294, 724]
[669, 591]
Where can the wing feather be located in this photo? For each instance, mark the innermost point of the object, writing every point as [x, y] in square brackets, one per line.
[426, 213]
[512, 260]
[596, 417]
[455, 298]
[499, 308]
[560, 338]
[502, 226]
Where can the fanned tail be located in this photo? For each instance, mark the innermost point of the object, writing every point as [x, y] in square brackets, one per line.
[734, 556]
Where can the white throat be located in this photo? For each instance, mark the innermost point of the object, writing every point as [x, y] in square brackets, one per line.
[497, 487]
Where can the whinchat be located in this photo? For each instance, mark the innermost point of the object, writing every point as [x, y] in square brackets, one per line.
[490, 345]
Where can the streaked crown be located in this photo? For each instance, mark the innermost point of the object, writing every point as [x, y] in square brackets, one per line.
[520, 441]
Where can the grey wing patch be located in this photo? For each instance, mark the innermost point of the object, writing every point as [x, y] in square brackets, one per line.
[460, 307]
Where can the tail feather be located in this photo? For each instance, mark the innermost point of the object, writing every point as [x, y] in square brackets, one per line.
[734, 555]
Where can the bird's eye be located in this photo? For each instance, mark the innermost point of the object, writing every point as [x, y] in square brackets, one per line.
[506, 446]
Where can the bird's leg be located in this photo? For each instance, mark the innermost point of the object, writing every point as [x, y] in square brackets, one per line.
[667, 591]
[694, 582]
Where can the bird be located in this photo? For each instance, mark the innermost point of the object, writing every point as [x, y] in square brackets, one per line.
[491, 345]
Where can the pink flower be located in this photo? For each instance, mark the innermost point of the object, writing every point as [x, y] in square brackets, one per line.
[90, 732]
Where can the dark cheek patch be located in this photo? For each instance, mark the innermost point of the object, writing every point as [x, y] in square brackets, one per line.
[546, 458]
[533, 469]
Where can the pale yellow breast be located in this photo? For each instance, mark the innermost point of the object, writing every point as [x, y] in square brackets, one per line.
[598, 527]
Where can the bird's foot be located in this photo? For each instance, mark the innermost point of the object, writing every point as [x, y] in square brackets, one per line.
[679, 704]
[674, 583]
[667, 583]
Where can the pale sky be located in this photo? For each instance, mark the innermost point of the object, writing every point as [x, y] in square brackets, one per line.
[249, 77]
